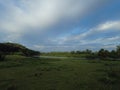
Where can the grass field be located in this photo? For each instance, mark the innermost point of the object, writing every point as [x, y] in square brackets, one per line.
[21, 73]
[63, 54]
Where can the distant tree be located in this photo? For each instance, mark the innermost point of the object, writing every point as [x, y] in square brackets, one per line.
[113, 54]
[2, 57]
[78, 52]
[92, 55]
[101, 54]
[73, 52]
[118, 51]
[107, 53]
[87, 51]
[118, 48]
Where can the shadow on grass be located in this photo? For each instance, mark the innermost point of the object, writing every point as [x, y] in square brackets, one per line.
[5, 84]
[12, 87]
[111, 77]
[10, 65]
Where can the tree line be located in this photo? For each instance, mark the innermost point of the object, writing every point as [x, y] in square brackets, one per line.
[101, 54]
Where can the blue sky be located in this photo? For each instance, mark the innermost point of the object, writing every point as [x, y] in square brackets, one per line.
[61, 25]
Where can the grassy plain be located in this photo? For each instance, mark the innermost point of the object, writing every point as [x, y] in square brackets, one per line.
[64, 54]
[23, 73]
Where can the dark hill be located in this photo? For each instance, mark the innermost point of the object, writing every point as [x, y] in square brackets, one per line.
[14, 48]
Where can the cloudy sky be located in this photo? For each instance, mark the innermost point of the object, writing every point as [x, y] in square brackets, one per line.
[61, 25]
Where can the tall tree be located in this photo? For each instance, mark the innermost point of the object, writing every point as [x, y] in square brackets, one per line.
[118, 51]
[103, 54]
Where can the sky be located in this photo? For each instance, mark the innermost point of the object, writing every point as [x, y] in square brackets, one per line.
[61, 25]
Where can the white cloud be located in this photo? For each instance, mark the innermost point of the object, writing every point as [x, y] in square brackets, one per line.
[101, 28]
[86, 38]
[26, 16]
[100, 40]
[109, 25]
[20, 16]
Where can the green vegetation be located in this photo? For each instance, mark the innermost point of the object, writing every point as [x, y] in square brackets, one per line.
[89, 54]
[19, 70]
[2, 56]
[16, 49]
[66, 54]
[27, 73]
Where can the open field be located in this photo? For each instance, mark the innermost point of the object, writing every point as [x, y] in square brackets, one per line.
[21, 73]
[63, 54]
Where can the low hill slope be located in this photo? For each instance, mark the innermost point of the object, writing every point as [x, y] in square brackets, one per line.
[14, 48]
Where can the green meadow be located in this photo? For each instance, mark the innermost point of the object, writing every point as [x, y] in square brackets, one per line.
[26, 73]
